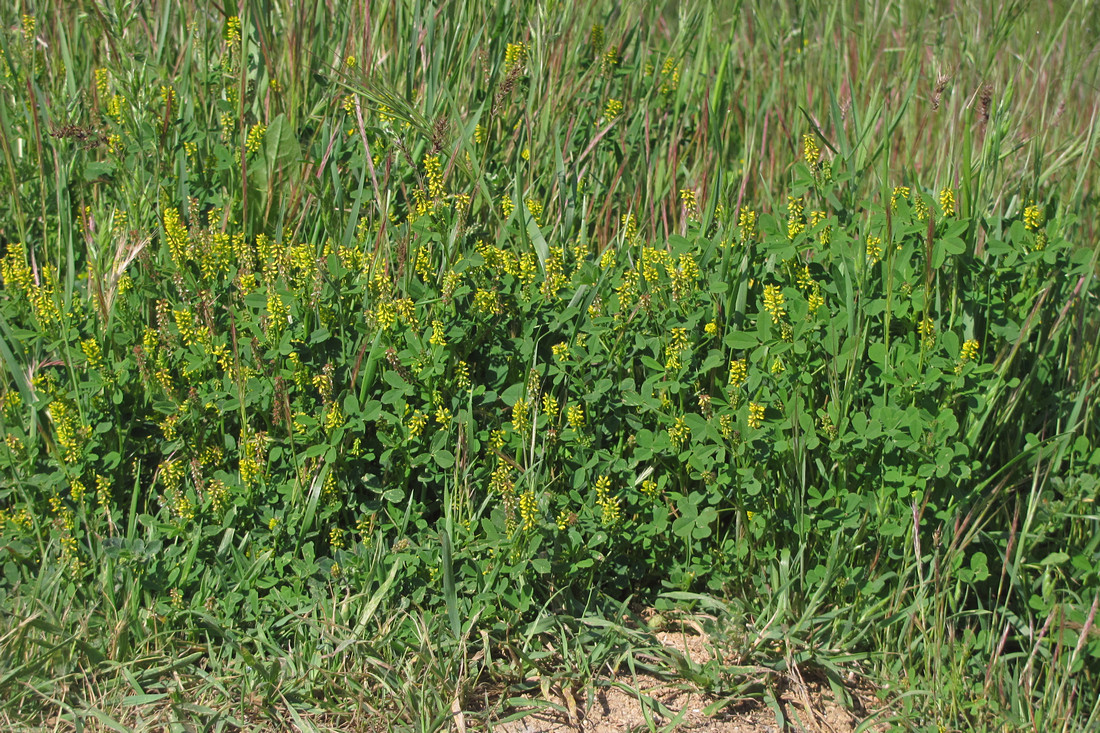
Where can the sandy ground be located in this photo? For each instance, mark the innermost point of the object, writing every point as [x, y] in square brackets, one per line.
[624, 703]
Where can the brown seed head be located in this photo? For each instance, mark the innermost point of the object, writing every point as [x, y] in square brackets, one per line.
[937, 91]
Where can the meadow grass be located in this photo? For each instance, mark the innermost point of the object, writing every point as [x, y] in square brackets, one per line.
[364, 364]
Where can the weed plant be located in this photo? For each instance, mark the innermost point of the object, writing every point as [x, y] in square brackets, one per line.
[355, 356]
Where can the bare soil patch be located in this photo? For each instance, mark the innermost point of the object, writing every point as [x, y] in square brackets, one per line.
[626, 702]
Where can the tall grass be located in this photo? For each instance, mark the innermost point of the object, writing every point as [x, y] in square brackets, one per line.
[363, 363]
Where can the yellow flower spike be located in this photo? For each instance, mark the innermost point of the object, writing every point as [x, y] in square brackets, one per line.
[874, 250]
[796, 224]
[596, 37]
[810, 151]
[670, 75]
[255, 139]
[521, 416]
[679, 433]
[900, 193]
[233, 31]
[947, 202]
[687, 196]
[927, 330]
[528, 508]
[920, 209]
[756, 415]
[612, 111]
[1033, 217]
[534, 206]
[574, 415]
[515, 55]
[774, 302]
[739, 371]
[433, 171]
[676, 347]
[437, 337]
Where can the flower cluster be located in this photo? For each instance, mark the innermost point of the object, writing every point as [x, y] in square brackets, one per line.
[774, 302]
[676, 347]
[610, 513]
[947, 202]
[796, 224]
[874, 249]
[756, 415]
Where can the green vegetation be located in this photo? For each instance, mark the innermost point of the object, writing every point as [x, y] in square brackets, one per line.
[360, 360]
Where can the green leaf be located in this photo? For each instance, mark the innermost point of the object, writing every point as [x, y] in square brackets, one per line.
[740, 340]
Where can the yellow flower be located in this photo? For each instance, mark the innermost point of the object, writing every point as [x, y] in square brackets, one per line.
[690, 205]
[678, 345]
[609, 505]
[256, 137]
[920, 209]
[521, 416]
[810, 151]
[874, 250]
[1033, 217]
[774, 302]
[595, 37]
[433, 171]
[416, 424]
[574, 414]
[534, 206]
[796, 224]
[670, 75]
[101, 83]
[947, 202]
[738, 372]
[678, 433]
[233, 31]
[613, 109]
[610, 60]
[607, 259]
[437, 337]
[528, 506]
[927, 330]
[462, 374]
[816, 300]
[756, 415]
[515, 54]
[746, 222]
